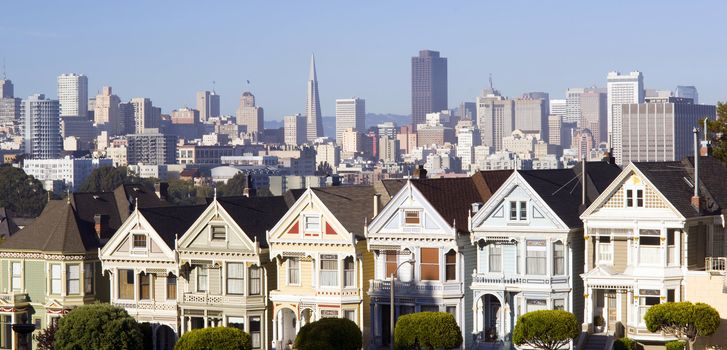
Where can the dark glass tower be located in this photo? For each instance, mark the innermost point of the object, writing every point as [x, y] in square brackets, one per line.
[428, 85]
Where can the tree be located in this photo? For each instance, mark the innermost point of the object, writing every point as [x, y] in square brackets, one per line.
[683, 320]
[46, 337]
[546, 329]
[98, 326]
[185, 192]
[214, 338]
[718, 128]
[427, 331]
[329, 334]
[21, 193]
[104, 179]
[234, 186]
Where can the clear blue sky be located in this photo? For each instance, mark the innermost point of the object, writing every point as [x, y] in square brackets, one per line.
[167, 50]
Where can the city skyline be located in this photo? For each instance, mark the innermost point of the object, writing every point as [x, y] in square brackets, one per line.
[381, 76]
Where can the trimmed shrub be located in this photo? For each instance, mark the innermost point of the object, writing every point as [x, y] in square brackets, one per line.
[214, 338]
[546, 329]
[427, 330]
[683, 320]
[329, 334]
[676, 345]
[98, 326]
[624, 344]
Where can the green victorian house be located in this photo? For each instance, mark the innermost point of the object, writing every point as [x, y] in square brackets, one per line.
[51, 266]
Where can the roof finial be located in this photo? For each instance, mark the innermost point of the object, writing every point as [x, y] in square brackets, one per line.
[215, 198]
[136, 204]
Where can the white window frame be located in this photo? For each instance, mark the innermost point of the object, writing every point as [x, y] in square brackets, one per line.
[609, 246]
[519, 204]
[133, 241]
[287, 271]
[418, 216]
[69, 280]
[229, 279]
[212, 227]
[16, 285]
[59, 279]
[352, 272]
[336, 272]
[307, 217]
[207, 279]
[635, 189]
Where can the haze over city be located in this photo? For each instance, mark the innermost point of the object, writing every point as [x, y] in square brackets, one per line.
[169, 50]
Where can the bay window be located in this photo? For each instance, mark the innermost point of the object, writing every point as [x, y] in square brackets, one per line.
[558, 258]
[73, 279]
[126, 284]
[235, 278]
[329, 270]
[429, 265]
[16, 281]
[535, 257]
[293, 271]
[349, 277]
[255, 276]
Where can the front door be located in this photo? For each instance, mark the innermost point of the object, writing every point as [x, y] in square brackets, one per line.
[385, 325]
[611, 306]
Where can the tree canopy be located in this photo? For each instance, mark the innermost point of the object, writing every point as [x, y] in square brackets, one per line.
[329, 334]
[718, 128]
[184, 192]
[107, 178]
[683, 320]
[21, 193]
[427, 331]
[214, 338]
[234, 186]
[98, 326]
[546, 329]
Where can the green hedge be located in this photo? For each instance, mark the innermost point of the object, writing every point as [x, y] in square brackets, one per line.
[546, 329]
[214, 338]
[98, 326]
[624, 344]
[676, 345]
[329, 334]
[427, 330]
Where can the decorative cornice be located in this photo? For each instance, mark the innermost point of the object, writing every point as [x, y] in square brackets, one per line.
[44, 256]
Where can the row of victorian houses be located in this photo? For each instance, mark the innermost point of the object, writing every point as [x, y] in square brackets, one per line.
[602, 242]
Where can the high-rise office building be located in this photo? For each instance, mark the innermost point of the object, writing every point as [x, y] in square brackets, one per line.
[621, 89]
[558, 107]
[127, 125]
[688, 91]
[295, 129]
[145, 115]
[351, 141]
[208, 105]
[106, 111]
[251, 116]
[534, 95]
[531, 114]
[350, 113]
[428, 85]
[73, 95]
[495, 118]
[314, 128]
[594, 114]
[660, 129]
[467, 111]
[185, 116]
[42, 127]
[573, 105]
[6, 89]
[555, 125]
[468, 136]
[152, 148]
[9, 111]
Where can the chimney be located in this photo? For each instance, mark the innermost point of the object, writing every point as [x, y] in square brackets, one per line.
[476, 207]
[706, 148]
[161, 190]
[420, 172]
[695, 198]
[376, 204]
[101, 223]
[608, 157]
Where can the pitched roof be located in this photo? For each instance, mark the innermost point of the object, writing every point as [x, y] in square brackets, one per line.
[58, 229]
[172, 221]
[561, 188]
[8, 226]
[255, 215]
[351, 205]
[675, 181]
[90, 204]
[127, 196]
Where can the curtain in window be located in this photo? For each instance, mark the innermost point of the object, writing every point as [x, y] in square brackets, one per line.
[202, 273]
[17, 275]
[535, 258]
[348, 272]
[255, 273]
[293, 271]
[495, 257]
[329, 272]
[73, 278]
[558, 258]
[235, 278]
[145, 286]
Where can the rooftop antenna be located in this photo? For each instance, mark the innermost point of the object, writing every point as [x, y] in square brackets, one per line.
[491, 88]
[213, 87]
[5, 77]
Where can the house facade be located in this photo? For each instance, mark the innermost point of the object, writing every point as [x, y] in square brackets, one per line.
[323, 266]
[645, 235]
[224, 267]
[529, 244]
[421, 237]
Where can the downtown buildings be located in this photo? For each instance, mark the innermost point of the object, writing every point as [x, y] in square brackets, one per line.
[621, 89]
[73, 95]
[428, 85]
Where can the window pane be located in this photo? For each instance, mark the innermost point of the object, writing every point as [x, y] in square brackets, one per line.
[219, 233]
[535, 258]
[513, 210]
[629, 198]
[255, 331]
[329, 272]
[293, 271]
[88, 272]
[202, 278]
[639, 198]
[236, 322]
[495, 257]
[348, 272]
[144, 286]
[235, 278]
[558, 258]
[391, 262]
[255, 275]
[411, 217]
[17, 275]
[73, 278]
[523, 210]
[312, 223]
[126, 284]
[171, 287]
[430, 264]
[450, 267]
[139, 241]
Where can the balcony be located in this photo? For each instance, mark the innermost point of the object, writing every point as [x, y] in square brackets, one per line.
[501, 281]
[417, 289]
[15, 299]
[147, 305]
[219, 300]
[716, 265]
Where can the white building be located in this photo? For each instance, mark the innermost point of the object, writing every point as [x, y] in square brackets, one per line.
[558, 107]
[328, 153]
[73, 95]
[250, 115]
[467, 138]
[621, 89]
[294, 129]
[149, 171]
[350, 113]
[42, 127]
[72, 172]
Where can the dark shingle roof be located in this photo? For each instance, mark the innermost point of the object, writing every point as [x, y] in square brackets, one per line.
[127, 196]
[172, 221]
[351, 205]
[561, 188]
[7, 224]
[58, 229]
[255, 215]
[89, 204]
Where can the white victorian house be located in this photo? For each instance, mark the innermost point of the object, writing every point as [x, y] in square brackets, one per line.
[421, 237]
[143, 269]
[224, 267]
[323, 266]
[529, 243]
[645, 234]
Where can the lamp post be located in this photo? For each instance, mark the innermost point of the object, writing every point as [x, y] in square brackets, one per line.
[391, 312]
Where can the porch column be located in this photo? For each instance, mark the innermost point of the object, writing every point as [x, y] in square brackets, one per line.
[275, 328]
[589, 305]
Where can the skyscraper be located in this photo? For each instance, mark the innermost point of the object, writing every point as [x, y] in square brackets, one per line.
[208, 105]
[144, 115]
[594, 114]
[622, 89]
[573, 105]
[9, 105]
[558, 107]
[42, 127]
[106, 111]
[250, 115]
[294, 129]
[428, 85]
[350, 113]
[314, 121]
[531, 114]
[495, 118]
[6, 88]
[73, 95]
[555, 125]
[689, 91]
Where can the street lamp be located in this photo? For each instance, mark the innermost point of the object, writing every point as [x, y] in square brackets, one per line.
[391, 313]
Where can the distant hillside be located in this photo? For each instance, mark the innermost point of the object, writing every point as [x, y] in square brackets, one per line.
[329, 123]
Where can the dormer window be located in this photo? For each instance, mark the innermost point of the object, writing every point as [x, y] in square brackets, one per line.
[139, 241]
[219, 232]
[518, 211]
[634, 198]
[312, 223]
[412, 217]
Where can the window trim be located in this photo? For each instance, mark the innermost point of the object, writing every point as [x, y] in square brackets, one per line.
[352, 271]
[207, 279]
[423, 264]
[89, 278]
[250, 279]
[418, 217]
[306, 217]
[69, 280]
[288, 271]
[336, 260]
[212, 227]
[518, 207]
[448, 264]
[134, 247]
[13, 277]
[554, 257]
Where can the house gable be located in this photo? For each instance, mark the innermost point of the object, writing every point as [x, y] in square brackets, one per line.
[215, 230]
[121, 245]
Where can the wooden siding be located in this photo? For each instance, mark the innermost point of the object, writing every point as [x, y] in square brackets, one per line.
[575, 263]
[620, 254]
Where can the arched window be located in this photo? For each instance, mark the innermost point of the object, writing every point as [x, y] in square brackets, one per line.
[558, 258]
[451, 265]
[349, 277]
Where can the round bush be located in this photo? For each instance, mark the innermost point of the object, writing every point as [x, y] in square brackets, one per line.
[546, 329]
[214, 338]
[676, 345]
[624, 344]
[427, 330]
[329, 334]
[98, 326]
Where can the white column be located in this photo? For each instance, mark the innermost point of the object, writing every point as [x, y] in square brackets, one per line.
[589, 305]
[136, 286]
